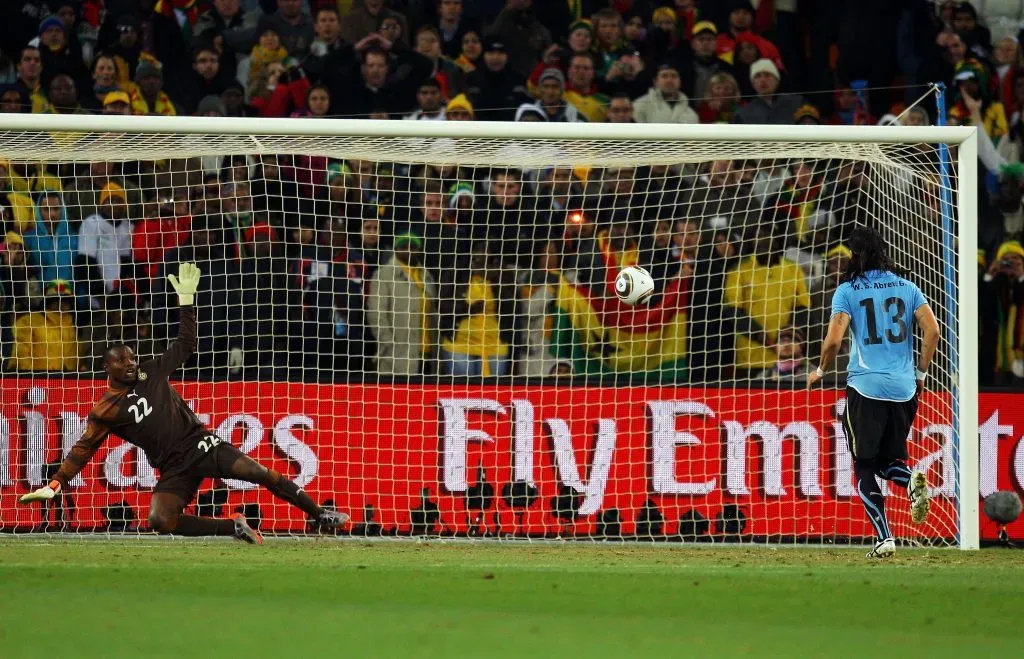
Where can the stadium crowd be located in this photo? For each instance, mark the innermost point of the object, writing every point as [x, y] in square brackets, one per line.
[317, 267]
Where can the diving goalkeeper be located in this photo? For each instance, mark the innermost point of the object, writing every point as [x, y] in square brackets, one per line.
[141, 406]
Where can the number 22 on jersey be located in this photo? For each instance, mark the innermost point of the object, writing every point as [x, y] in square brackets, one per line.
[141, 410]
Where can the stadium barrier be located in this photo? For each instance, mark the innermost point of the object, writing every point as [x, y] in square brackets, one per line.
[778, 457]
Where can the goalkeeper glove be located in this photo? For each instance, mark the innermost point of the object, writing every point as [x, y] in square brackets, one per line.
[44, 493]
[186, 283]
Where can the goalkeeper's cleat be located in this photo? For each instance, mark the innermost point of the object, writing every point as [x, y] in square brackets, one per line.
[45, 493]
[331, 519]
[920, 502]
[245, 532]
[883, 549]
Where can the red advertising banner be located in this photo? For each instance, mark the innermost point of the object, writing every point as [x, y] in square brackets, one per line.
[780, 456]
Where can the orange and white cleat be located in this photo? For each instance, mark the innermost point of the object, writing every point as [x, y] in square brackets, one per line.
[245, 532]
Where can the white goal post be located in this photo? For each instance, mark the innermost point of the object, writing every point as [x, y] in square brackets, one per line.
[744, 456]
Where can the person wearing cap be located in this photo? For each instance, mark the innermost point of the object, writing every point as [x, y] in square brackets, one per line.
[459, 109]
[972, 81]
[816, 316]
[768, 107]
[117, 102]
[401, 310]
[741, 21]
[807, 115]
[56, 55]
[48, 340]
[524, 36]
[494, 88]
[665, 103]
[582, 92]
[706, 61]
[106, 236]
[551, 99]
[148, 95]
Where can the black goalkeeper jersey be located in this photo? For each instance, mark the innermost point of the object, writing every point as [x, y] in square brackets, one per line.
[150, 415]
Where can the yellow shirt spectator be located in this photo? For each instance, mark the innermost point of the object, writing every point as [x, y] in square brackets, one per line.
[47, 340]
[769, 294]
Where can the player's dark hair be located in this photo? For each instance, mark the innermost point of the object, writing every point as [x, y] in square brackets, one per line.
[869, 253]
[108, 354]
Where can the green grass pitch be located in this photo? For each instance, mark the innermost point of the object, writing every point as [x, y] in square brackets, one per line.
[145, 598]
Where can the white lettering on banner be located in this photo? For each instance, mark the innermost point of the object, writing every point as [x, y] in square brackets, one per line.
[1018, 465]
[35, 446]
[522, 442]
[805, 435]
[5, 452]
[295, 449]
[72, 427]
[989, 434]
[664, 440]
[568, 471]
[844, 463]
[253, 436]
[113, 468]
[945, 455]
[456, 436]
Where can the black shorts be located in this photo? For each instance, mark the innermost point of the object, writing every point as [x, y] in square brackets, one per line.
[183, 479]
[877, 428]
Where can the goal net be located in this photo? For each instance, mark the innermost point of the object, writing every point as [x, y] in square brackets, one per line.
[416, 322]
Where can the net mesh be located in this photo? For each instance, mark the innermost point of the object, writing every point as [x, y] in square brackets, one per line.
[423, 332]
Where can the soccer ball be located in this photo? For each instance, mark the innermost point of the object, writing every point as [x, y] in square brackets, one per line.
[634, 285]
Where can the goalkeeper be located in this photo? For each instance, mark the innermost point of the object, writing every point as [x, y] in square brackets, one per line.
[141, 406]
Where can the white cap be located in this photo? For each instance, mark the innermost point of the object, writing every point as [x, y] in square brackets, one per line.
[764, 65]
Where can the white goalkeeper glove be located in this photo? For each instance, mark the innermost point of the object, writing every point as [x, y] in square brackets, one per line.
[186, 283]
[235, 360]
[44, 493]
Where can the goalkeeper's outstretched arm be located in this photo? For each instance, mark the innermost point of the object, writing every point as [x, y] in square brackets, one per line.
[96, 432]
[185, 285]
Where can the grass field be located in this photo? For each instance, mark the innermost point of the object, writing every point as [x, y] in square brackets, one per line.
[325, 598]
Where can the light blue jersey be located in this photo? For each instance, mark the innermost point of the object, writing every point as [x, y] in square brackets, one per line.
[881, 307]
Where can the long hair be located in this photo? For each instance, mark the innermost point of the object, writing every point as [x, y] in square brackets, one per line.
[869, 253]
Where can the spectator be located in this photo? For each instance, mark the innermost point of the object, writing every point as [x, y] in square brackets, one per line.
[218, 300]
[51, 245]
[126, 49]
[608, 42]
[582, 92]
[768, 288]
[293, 26]
[366, 17]
[741, 23]
[525, 37]
[468, 59]
[973, 83]
[206, 79]
[104, 81]
[47, 340]
[117, 103]
[665, 103]
[268, 51]
[230, 104]
[229, 21]
[807, 115]
[816, 316]
[330, 57]
[367, 257]
[495, 87]
[160, 232]
[1002, 296]
[56, 55]
[374, 91]
[722, 101]
[965, 22]
[453, 26]
[508, 218]
[620, 110]
[448, 75]
[106, 236]
[265, 291]
[160, 33]
[551, 99]
[428, 101]
[64, 96]
[19, 281]
[14, 100]
[30, 71]
[768, 107]
[477, 316]
[148, 96]
[82, 196]
[706, 63]
[851, 108]
[459, 109]
[791, 364]
[538, 290]
[401, 310]
[1007, 57]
